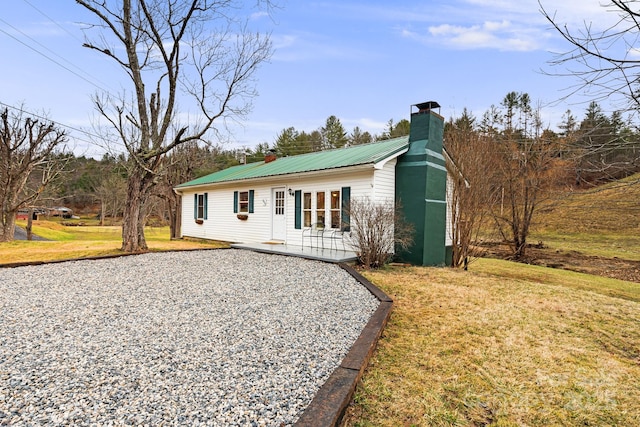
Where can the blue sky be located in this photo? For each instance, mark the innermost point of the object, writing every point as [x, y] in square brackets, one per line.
[364, 61]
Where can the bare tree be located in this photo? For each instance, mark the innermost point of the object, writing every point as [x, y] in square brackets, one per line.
[468, 156]
[185, 163]
[522, 168]
[377, 228]
[111, 192]
[603, 61]
[168, 48]
[28, 163]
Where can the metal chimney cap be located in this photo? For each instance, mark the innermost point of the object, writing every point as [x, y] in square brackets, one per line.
[427, 105]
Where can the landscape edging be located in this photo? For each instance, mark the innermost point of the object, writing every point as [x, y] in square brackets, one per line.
[330, 402]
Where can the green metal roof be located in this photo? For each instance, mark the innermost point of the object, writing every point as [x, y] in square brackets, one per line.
[321, 160]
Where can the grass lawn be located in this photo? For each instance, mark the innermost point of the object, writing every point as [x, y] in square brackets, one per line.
[503, 345]
[84, 241]
[602, 221]
[604, 244]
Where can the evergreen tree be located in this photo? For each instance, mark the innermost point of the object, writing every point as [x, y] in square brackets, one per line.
[395, 130]
[358, 137]
[333, 134]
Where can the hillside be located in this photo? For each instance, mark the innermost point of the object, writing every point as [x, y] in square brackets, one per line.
[594, 231]
[613, 207]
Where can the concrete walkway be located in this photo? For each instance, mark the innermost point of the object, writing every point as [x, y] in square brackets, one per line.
[328, 255]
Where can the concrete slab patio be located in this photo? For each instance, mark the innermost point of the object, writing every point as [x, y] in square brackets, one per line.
[320, 254]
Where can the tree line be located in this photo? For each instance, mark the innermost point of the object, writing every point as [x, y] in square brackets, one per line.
[507, 164]
[39, 171]
[206, 52]
[504, 165]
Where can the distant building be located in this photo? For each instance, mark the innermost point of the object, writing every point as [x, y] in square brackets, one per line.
[61, 212]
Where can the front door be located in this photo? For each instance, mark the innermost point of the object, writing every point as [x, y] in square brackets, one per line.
[278, 218]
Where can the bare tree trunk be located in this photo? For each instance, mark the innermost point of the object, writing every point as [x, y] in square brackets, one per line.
[133, 219]
[190, 54]
[29, 161]
[175, 215]
[30, 224]
[8, 226]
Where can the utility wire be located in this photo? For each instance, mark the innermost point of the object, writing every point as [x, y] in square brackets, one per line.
[22, 110]
[50, 59]
[55, 22]
[51, 52]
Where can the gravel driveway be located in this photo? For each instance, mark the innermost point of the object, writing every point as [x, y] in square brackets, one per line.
[225, 337]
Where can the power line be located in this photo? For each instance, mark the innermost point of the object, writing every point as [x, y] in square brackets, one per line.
[22, 110]
[50, 59]
[50, 19]
[50, 51]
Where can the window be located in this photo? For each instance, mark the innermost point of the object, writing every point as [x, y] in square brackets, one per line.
[279, 203]
[243, 204]
[311, 209]
[335, 209]
[320, 210]
[200, 206]
[306, 209]
[243, 201]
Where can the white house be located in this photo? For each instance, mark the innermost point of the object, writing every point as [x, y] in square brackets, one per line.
[303, 200]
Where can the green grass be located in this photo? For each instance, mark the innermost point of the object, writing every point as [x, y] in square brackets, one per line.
[504, 344]
[556, 277]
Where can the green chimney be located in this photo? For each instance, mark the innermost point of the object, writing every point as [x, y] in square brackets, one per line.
[421, 180]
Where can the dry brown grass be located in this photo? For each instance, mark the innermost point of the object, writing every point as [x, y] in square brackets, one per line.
[612, 207]
[491, 348]
[81, 242]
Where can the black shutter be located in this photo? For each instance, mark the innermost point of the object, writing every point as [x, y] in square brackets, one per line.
[250, 201]
[345, 221]
[205, 205]
[195, 206]
[298, 208]
[235, 202]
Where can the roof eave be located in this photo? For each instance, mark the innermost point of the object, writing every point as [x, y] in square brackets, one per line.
[360, 167]
[380, 163]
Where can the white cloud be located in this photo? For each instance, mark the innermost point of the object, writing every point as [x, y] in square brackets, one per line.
[500, 35]
[258, 15]
[496, 26]
[503, 25]
[309, 46]
[283, 41]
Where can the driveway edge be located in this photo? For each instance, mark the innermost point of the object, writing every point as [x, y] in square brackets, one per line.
[330, 402]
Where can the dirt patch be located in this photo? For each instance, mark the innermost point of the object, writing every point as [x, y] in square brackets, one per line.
[616, 268]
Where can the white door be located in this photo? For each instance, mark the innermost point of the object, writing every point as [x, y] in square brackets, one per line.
[278, 219]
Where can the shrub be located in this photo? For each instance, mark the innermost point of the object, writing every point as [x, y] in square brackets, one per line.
[377, 228]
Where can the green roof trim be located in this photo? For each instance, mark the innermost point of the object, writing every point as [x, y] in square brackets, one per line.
[321, 160]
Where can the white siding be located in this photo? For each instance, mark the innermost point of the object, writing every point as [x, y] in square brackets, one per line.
[222, 223]
[384, 182]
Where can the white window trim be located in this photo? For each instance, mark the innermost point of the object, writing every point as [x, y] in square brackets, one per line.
[327, 209]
